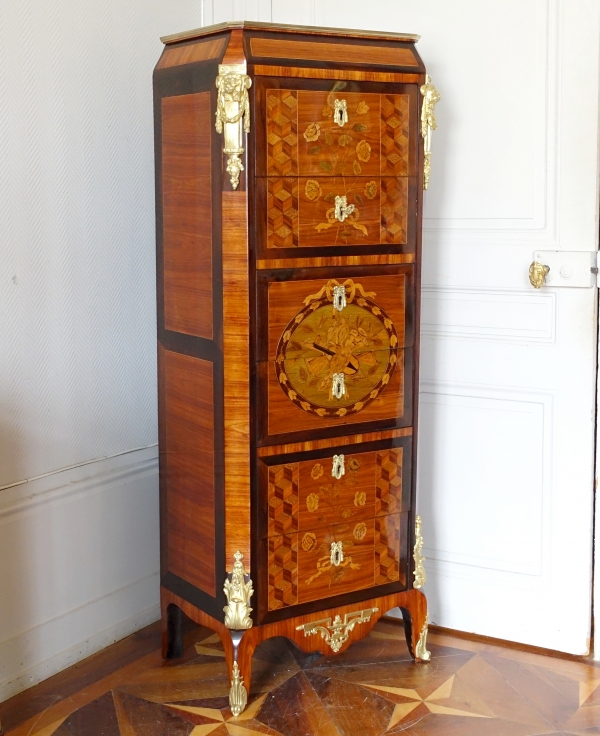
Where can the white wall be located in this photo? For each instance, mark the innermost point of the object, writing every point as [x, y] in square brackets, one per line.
[79, 548]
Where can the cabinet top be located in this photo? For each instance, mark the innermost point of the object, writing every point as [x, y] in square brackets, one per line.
[277, 28]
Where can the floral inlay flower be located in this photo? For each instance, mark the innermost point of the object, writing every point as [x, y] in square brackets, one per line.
[312, 190]
[371, 190]
[317, 471]
[312, 132]
[327, 112]
[363, 151]
[309, 541]
[312, 502]
[344, 140]
[346, 513]
[353, 464]
[338, 575]
[360, 498]
[362, 108]
[360, 531]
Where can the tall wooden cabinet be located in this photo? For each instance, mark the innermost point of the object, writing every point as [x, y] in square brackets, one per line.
[290, 167]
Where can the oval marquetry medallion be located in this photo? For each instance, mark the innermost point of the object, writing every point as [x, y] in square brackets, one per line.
[323, 342]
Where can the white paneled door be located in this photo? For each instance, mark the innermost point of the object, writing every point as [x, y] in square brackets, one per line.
[508, 376]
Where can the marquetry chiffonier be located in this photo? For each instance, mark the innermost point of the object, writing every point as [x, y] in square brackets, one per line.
[290, 168]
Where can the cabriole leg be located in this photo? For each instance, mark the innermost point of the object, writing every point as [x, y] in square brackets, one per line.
[172, 632]
[414, 611]
[238, 695]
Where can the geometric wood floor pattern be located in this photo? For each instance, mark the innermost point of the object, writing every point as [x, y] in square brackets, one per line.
[468, 689]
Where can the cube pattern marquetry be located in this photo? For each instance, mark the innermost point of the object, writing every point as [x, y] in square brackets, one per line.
[395, 135]
[394, 210]
[283, 571]
[283, 498]
[387, 549]
[282, 132]
[282, 213]
[388, 490]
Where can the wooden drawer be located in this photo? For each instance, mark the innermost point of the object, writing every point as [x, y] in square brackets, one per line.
[378, 314]
[306, 495]
[300, 212]
[303, 138]
[300, 568]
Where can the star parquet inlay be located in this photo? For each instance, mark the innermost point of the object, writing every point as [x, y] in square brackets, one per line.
[372, 689]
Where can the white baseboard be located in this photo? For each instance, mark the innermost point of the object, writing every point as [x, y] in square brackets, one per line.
[78, 565]
[22, 649]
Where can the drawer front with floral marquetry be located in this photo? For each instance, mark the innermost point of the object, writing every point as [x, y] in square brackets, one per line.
[340, 170]
[333, 351]
[334, 211]
[336, 133]
[338, 488]
[336, 522]
[336, 559]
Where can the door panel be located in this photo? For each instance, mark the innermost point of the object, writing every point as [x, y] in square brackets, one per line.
[506, 433]
[508, 373]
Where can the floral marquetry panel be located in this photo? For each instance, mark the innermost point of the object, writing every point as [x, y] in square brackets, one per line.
[282, 132]
[287, 302]
[308, 382]
[326, 148]
[317, 219]
[319, 577]
[301, 212]
[283, 571]
[287, 413]
[283, 498]
[325, 499]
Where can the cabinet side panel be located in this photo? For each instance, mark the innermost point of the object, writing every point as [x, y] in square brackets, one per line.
[236, 357]
[189, 53]
[187, 220]
[190, 497]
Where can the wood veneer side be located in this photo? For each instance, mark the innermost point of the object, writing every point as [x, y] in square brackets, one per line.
[189, 450]
[236, 352]
[417, 340]
[335, 51]
[191, 52]
[187, 213]
[190, 81]
[352, 439]
[267, 70]
[375, 260]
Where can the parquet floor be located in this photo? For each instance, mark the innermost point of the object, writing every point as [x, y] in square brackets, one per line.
[468, 689]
